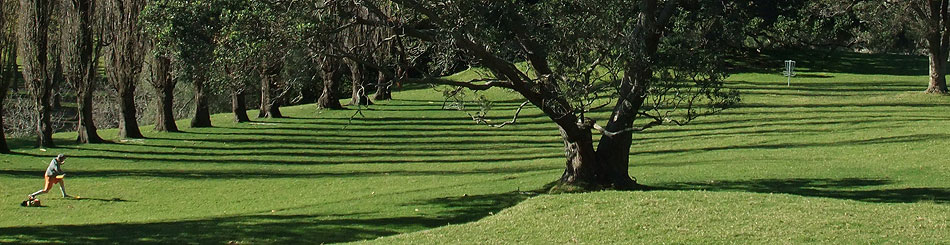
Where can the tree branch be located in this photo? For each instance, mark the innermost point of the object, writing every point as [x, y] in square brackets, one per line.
[607, 133]
[471, 84]
[481, 119]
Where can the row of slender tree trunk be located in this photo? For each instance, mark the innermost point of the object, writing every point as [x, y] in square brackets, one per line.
[127, 52]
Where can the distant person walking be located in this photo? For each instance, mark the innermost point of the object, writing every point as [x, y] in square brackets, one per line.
[54, 174]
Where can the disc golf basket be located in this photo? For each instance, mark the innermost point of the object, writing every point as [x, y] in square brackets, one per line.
[789, 71]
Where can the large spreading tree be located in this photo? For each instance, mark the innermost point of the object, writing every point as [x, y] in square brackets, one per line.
[655, 60]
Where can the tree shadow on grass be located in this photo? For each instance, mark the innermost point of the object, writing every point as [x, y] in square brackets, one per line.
[270, 227]
[467, 208]
[109, 200]
[827, 89]
[315, 159]
[248, 228]
[849, 189]
[28, 144]
[813, 76]
[339, 151]
[855, 142]
[268, 174]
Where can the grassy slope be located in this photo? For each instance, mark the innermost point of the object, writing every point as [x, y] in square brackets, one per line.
[849, 157]
[695, 217]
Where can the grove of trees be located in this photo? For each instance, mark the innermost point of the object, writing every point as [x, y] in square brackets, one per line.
[650, 62]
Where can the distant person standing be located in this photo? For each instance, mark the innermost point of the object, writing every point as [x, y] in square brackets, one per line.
[54, 174]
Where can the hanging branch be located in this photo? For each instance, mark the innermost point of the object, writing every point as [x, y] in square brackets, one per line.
[480, 118]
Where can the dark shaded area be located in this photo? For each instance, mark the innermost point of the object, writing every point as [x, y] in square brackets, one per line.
[813, 76]
[261, 174]
[812, 88]
[801, 124]
[848, 188]
[834, 62]
[274, 151]
[319, 159]
[114, 199]
[467, 208]
[272, 228]
[880, 140]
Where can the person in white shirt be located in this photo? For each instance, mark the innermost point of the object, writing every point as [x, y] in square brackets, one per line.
[53, 176]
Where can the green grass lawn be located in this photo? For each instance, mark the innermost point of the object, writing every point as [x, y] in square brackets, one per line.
[840, 156]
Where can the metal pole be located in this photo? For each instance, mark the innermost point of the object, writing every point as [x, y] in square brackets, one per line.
[789, 69]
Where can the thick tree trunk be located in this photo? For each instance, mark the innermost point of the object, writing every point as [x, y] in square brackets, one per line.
[165, 117]
[938, 45]
[358, 96]
[265, 96]
[270, 98]
[164, 86]
[331, 80]
[4, 87]
[383, 87]
[613, 150]
[86, 128]
[239, 107]
[33, 22]
[938, 75]
[3, 138]
[128, 123]
[328, 98]
[273, 111]
[44, 127]
[202, 118]
[7, 71]
[582, 167]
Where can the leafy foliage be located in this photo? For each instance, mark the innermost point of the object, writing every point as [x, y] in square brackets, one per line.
[185, 30]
